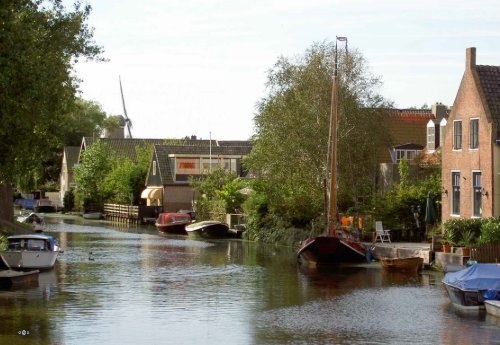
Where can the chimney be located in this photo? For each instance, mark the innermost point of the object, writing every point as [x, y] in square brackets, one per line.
[439, 111]
[470, 58]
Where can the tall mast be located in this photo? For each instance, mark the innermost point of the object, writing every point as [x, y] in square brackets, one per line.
[332, 203]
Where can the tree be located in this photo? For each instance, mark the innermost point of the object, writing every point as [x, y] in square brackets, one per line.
[39, 44]
[96, 162]
[85, 119]
[292, 129]
[217, 193]
[125, 181]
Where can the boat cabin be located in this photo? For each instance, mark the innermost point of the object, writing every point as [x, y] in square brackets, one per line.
[31, 243]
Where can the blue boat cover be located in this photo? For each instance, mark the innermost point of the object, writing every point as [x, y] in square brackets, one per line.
[476, 277]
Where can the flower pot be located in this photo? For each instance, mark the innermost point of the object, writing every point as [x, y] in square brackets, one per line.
[465, 251]
[446, 248]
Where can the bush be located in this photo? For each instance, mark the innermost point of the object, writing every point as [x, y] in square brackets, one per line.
[490, 231]
[69, 200]
[471, 230]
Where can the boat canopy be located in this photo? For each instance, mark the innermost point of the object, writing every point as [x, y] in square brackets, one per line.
[476, 277]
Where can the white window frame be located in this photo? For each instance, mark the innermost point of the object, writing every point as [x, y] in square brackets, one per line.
[431, 125]
[470, 132]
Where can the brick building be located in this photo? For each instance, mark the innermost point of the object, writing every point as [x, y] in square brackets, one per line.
[471, 151]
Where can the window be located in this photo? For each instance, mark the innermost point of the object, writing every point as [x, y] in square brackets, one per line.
[431, 138]
[406, 155]
[473, 134]
[457, 135]
[154, 168]
[476, 194]
[455, 192]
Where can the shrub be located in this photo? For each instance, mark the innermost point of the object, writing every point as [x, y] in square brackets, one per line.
[490, 231]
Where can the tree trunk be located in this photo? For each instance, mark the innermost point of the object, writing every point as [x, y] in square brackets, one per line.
[6, 203]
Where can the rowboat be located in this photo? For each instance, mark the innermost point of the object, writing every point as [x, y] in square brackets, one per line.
[412, 264]
[208, 229]
[173, 223]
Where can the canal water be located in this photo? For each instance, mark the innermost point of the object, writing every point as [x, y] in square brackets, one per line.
[135, 286]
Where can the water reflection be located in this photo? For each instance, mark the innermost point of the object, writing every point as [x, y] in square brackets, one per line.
[141, 287]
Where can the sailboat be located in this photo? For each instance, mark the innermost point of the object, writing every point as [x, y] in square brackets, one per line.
[335, 246]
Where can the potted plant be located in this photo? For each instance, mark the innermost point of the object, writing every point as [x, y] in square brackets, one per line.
[448, 241]
[467, 240]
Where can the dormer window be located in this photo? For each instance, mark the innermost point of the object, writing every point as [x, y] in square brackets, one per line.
[431, 136]
[473, 134]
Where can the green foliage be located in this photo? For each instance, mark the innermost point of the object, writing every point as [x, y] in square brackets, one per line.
[293, 121]
[96, 162]
[404, 173]
[3, 242]
[394, 207]
[490, 231]
[84, 119]
[69, 200]
[468, 238]
[41, 42]
[102, 176]
[217, 193]
[467, 231]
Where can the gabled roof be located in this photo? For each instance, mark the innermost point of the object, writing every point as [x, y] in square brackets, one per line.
[415, 114]
[72, 153]
[162, 153]
[126, 146]
[489, 78]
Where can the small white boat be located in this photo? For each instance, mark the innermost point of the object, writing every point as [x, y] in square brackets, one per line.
[34, 219]
[92, 215]
[208, 229]
[492, 307]
[30, 252]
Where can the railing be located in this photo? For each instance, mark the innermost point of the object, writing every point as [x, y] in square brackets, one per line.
[122, 213]
[487, 253]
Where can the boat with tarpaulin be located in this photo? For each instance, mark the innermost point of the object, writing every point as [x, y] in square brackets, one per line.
[470, 287]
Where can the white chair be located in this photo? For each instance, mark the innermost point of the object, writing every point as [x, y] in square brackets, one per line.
[381, 233]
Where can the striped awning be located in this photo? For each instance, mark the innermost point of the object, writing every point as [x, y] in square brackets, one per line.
[151, 193]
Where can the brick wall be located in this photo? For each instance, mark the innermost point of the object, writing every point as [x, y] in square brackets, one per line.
[468, 104]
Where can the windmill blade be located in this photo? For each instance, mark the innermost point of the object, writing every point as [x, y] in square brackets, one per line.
[128, 123]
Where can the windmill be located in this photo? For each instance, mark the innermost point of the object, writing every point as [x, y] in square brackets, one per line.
[128, 123]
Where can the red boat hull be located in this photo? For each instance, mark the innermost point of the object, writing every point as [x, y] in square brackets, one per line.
[173, 223]
[323, 250]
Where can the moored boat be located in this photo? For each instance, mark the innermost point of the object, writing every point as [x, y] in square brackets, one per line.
[337, 245]
[30, 252]
[173, 223]
[323, 250]
[492, 307]
[469, 288]
[92, 215]
[11, 278]
[35, 220]
[208, 229]
[411, 265]
[44, 205]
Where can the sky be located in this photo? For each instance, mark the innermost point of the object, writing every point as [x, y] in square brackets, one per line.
[199, 67]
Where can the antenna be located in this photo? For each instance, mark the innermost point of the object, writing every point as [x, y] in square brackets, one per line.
[128, 123]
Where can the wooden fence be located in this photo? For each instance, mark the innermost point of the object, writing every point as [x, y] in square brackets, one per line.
[122, 213]
[486, 253]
